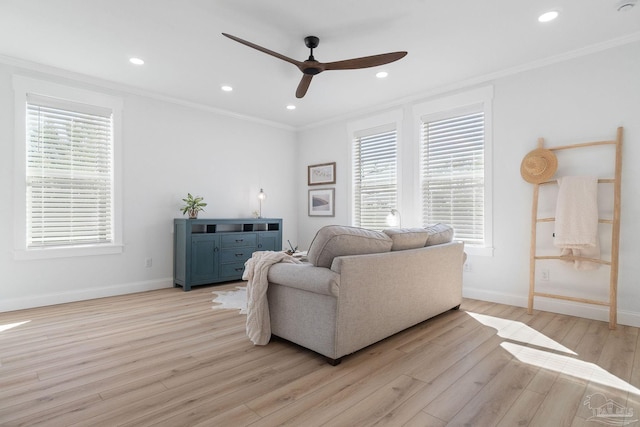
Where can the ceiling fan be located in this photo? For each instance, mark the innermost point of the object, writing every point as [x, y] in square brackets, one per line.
[311, 67]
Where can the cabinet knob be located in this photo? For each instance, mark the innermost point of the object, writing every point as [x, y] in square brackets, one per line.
[240, 254]
[239, 240]
[239, 269]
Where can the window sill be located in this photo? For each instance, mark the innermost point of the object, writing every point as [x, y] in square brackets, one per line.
[70, 252]
[479, 250]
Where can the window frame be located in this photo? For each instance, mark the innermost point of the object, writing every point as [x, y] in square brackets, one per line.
[23, 86]
[452, 106]
[370, 126]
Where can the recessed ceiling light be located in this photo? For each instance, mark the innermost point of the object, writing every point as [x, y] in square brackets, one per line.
[136, 61]
[382, 74]
[548, 16]
[226, 88]
[291, 107]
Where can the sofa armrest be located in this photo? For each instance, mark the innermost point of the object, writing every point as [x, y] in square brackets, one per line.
[305, 276]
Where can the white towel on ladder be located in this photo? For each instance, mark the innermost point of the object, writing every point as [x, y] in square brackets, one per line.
[576, 227]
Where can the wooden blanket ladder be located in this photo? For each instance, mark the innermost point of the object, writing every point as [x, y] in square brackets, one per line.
[615, 233]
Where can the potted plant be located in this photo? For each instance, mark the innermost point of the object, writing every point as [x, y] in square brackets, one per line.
[193, 205]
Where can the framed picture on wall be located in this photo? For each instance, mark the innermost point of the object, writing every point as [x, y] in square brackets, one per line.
[321, 174]
[321, 202]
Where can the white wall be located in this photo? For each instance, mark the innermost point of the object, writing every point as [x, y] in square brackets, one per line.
[168, 150]
[171, 149]
[322, 145]
[580, 99]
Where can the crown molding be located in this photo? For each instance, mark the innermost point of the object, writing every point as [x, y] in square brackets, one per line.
[73, 77]
[482, 80]
[422, 96]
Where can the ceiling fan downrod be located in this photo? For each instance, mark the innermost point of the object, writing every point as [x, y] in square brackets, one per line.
[311, 42]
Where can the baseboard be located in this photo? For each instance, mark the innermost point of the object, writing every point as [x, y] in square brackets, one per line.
[83, 294]
[629, 318]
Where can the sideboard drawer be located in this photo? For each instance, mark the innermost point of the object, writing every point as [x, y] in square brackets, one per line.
[233, 270]
[236, 255]
[241, 239]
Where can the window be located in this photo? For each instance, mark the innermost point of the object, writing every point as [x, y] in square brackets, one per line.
[374, 166]
[454, 167]
[452, 172]
[66, 152]
[69, 167]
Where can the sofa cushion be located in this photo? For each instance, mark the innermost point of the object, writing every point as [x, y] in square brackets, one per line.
[338, 240]
[407, 238]
[438, 234]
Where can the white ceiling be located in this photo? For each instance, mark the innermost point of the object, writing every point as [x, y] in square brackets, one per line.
[188, 59]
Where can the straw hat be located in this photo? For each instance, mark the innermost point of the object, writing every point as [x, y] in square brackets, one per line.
[538, 166]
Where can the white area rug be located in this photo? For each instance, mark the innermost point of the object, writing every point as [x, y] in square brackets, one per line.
[236, 299]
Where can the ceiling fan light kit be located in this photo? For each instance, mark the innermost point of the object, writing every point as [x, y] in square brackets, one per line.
[310, 67]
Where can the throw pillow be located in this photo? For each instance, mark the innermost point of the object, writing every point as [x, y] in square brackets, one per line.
[407, 238]
[337, 240]
[438, 234]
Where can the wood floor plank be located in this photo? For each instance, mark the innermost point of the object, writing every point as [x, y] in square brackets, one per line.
[206, 407]
[422, 419]
[435, 359]
[560, 404]
[593, 341]
[212, 382]
[496, 398]
[449, 402]
[619, 350]
[432, 329]
[523, 409]
[277, 399]
[167, 358]
[555, 332]
[467, 366]
[415, 404]
[331, 399]
[379, 403]
[241, 415]
[596, 394]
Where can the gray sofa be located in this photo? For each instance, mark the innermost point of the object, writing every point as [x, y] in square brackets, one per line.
[361, 286]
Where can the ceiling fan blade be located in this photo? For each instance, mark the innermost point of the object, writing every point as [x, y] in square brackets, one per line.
[304, 85]
[365, 61]
[263, 49]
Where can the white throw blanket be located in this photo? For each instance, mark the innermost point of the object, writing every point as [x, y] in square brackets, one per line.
[255, 271]
[576, 228]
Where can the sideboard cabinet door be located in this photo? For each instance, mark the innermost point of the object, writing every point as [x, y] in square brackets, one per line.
[204, 258]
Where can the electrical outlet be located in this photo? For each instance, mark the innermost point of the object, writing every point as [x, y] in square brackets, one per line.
[467, 267]
[544, 274]
[148, 262]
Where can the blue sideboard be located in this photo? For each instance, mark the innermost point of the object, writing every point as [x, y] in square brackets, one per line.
[215, 250]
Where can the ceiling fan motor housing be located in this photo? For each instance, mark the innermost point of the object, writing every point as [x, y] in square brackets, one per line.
[311, 70]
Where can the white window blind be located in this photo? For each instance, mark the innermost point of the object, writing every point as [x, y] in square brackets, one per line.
[452, 174]
[69, 173]
[374, 178]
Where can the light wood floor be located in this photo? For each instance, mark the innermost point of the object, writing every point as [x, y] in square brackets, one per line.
[166, 358]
